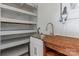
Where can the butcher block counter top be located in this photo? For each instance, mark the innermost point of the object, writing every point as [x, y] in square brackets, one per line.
[65, 45]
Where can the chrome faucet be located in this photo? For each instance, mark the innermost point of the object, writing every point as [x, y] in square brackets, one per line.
[38, 30]
[52, 28]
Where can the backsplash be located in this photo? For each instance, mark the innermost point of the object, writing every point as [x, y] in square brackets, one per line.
[51, 13]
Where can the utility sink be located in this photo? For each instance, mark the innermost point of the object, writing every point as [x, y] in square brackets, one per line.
[39, 36]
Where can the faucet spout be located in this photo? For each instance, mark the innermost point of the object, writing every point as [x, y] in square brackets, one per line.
[52, 28]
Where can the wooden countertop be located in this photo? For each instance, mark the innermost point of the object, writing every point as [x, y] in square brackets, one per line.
[65, 45]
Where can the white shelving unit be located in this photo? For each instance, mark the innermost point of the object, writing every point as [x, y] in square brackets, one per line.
[17, 45]
[12, 43]
[16, 21]
[17, 9]
[16, 32]
[16, 51]
[25, 54]
[32, 5]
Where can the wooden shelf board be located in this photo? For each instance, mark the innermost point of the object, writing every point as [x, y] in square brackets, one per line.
[50, 53]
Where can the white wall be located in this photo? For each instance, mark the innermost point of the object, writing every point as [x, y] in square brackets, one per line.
[51, 13]
[44, 16]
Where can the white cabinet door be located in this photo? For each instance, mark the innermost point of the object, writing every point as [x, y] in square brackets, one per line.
[36, 47]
